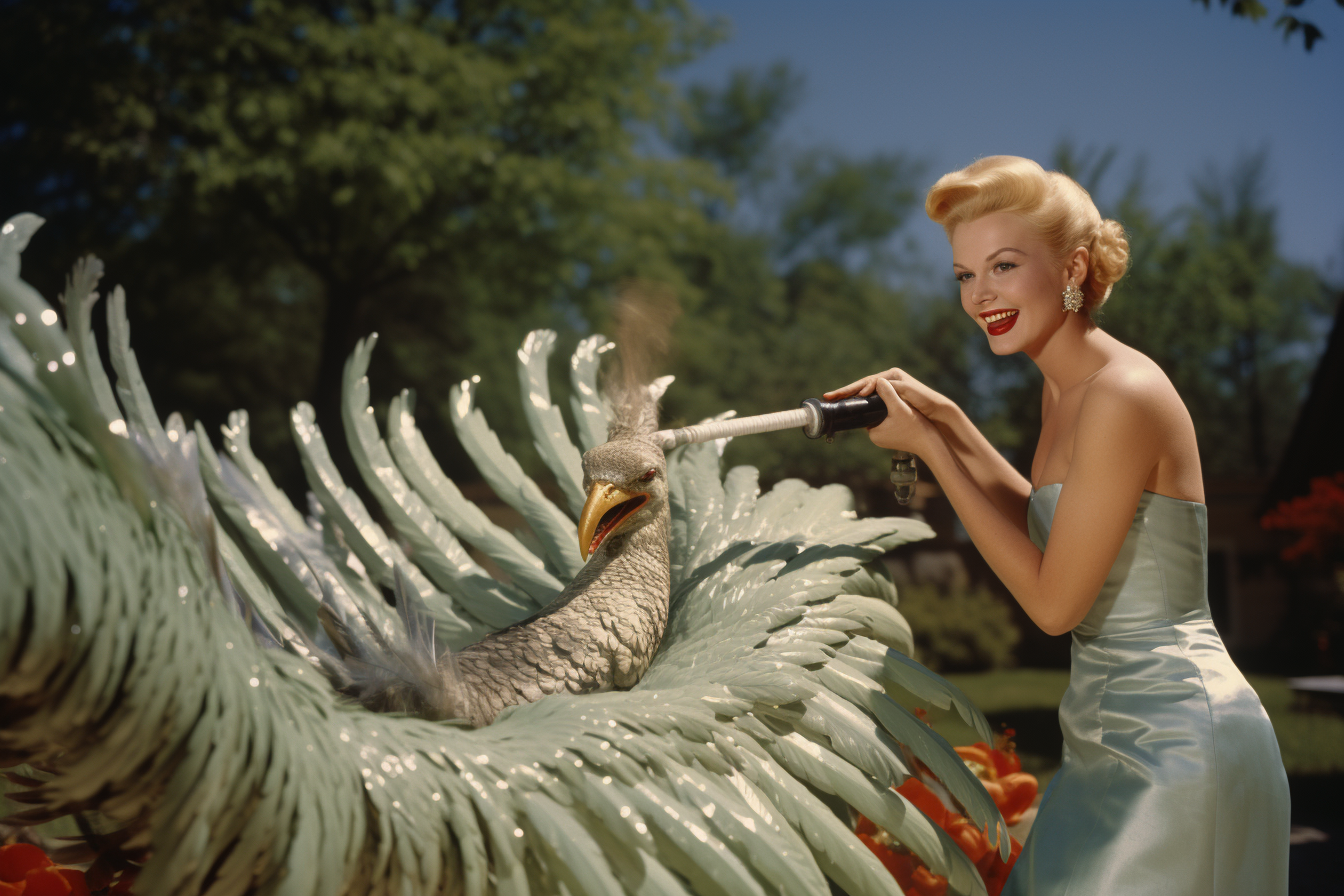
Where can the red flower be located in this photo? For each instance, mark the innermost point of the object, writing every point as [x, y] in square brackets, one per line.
[18, 859]
[25, 870]
[994, 871]
[966, 835]
[911, 874]
[1318, 516]
[925, 801]
[1013, 794]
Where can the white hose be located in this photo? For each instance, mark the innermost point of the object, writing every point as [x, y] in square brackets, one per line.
[740, 426]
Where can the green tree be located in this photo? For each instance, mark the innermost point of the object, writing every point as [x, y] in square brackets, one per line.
[452, 173]
[794, 295]
[733, 127]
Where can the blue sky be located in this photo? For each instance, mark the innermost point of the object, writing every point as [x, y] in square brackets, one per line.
[1163, 80]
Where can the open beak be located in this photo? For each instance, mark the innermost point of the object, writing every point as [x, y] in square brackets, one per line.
[606, 508]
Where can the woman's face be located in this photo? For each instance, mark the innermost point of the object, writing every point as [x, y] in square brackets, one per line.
[1011, 284]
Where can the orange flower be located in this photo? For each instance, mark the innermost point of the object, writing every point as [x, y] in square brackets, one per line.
[1013, 794]
[911, 873]
[990, 763]
[1000, 770]
[925, 883]
[994, 870]
[17, 859]
[966, 835]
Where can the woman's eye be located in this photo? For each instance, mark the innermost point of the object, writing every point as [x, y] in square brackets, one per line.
[1004, 266]
[963, 277]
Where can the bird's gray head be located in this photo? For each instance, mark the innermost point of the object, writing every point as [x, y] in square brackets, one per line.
[626, 478]
[626, 482]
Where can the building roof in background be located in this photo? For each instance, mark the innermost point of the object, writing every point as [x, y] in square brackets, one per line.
[1316, 446]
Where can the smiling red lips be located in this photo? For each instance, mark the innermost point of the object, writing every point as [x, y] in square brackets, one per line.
[1001, 323]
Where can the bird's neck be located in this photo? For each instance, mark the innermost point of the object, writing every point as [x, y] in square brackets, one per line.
[643, 546]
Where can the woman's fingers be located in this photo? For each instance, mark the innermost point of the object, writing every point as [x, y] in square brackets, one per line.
[885, 433]
[890, 377]
[887, 389]
[857, 387]
[905, 428]
[864, 386]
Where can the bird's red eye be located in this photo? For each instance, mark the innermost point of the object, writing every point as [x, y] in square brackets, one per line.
[649, 475]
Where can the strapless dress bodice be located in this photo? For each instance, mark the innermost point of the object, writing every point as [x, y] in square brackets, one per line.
[1160, 576]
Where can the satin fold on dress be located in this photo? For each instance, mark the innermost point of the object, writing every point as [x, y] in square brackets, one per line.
[1172, 782]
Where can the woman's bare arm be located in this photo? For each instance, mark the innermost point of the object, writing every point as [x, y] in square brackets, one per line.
[1119, 439]
[1002, 485]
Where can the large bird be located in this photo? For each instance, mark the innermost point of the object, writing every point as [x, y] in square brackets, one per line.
[135, 687]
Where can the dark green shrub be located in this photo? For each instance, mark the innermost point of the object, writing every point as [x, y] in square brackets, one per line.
[959, 629]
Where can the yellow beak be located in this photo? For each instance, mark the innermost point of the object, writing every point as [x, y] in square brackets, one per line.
[602, 498]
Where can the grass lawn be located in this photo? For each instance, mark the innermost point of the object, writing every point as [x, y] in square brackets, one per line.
[1027, 700]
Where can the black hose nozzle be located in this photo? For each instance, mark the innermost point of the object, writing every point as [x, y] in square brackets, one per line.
[829, 417]
[826, 418]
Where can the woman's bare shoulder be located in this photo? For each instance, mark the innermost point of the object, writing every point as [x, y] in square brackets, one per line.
[1132, 378]
[1132, 407]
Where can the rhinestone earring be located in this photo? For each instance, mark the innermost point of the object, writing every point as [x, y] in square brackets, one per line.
[1073, 298]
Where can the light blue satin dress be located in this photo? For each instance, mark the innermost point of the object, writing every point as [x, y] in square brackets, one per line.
[1172, 782]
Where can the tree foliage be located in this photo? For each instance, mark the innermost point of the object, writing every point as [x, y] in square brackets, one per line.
[273, 180]
[960, 629]
[733, 126]
[1228, 318]
[315, 171]
[1287, 22]
[794, 296]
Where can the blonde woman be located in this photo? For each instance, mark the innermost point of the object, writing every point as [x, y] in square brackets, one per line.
[1172, 781]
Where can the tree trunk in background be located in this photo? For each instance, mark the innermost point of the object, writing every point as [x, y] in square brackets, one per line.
[1255, 405]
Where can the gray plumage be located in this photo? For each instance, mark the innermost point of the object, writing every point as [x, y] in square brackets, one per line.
[600, 633]
[603, 630]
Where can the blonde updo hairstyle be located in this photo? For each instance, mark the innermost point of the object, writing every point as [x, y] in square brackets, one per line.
[1061, 211]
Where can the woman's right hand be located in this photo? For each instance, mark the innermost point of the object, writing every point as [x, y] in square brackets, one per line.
[914, 393]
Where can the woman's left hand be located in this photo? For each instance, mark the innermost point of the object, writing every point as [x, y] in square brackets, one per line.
[905, 428]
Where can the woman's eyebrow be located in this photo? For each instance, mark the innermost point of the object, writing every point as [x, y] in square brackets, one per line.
[990, 256]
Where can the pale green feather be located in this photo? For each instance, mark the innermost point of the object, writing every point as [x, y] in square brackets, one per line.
[228, 760]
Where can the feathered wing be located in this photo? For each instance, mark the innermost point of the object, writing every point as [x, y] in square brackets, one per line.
[136, 688]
